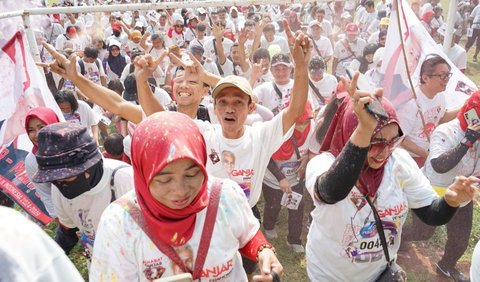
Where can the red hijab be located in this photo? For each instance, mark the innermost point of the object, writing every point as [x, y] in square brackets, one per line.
[343, 124]
[158, 141]
[287, 149]
[45, 115]
[472, 103]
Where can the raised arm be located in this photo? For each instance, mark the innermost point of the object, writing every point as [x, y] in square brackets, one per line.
[242, 38]
[301, 51]
[335, 184]
[102, 96]
[218, 34]
[145, 66]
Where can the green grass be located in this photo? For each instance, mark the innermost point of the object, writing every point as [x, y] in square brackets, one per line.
[295, 264]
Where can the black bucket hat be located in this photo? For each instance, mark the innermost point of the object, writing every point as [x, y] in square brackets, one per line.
[65, 150]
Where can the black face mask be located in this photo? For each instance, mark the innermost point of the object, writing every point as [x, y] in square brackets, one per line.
[116, 33]
[81, 184]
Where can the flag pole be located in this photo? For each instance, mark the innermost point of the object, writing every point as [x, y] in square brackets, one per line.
[447, 41]
[410, 82]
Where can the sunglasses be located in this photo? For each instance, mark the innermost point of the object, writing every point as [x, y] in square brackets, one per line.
[379, 144]
[178, 25]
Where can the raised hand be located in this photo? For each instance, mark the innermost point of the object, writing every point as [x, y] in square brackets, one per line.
[145, 65]
[67, 68]
[301, 50]
[462, 190]
[242, 36]
[359, 100]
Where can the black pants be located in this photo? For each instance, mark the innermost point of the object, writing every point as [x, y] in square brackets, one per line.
[458, 234]
[249, 265]
[471, 40]
[272, 209]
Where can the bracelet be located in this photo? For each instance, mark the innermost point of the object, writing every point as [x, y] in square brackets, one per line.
[266, 246]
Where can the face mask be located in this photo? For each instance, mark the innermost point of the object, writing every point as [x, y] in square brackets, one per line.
[116, 33]
[81, 184]
[68, 116]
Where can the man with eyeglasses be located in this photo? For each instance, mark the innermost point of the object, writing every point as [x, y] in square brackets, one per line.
[420, 116]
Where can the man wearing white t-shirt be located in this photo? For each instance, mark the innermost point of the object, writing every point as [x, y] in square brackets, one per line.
[322, 85]
[322, 46]
[418, 123]
[347, 49]
[269, 38]
[275, 95]
[91, 67]
[84, 185]
[211, 50]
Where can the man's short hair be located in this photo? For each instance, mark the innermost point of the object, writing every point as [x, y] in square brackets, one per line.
[90, 52]
[429, 65]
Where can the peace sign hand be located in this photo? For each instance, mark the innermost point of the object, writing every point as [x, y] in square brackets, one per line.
[67, 68]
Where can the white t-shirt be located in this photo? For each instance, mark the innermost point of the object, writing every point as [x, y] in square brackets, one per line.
[289, 166]
[324, 46]
[475, 266]
[85, 210]
[29, 254]
[244, 160]
[92, 71]
[411, 123]
[458, 56]
[43, 189]
[475, 17]
[277, 40]
[210, 50]
[326, 87]
[268, 97]
[124, 251]
[446, 137]
[84, 115]
[342, 243]
[344, 56]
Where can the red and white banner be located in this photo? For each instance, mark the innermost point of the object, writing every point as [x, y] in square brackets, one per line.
[22, 87]
[418, 45]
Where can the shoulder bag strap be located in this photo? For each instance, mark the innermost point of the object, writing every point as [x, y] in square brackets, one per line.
[168, 250]
[219, 67]
[295, 146]
[347, 46]
[277, 90]
[208, 226]
[316, 47]
[315, 90]
[112, 181]
[381, 233]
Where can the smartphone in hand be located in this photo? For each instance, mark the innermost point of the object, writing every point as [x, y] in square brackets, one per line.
[375, 107]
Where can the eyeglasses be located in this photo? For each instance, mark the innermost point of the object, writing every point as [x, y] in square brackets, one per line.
[443, 76]
[379, 144]
[178, 25]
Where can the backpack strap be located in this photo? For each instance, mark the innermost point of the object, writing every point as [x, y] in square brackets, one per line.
[202, 113]
[315, 90]
[82, 67]
[112, 181]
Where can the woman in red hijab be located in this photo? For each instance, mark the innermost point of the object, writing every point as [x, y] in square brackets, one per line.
[161, 228]
[360, 166]
[36, 119]
[284, 176]
[454, 150]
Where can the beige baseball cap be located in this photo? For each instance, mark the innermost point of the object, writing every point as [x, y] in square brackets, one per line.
[233, 81]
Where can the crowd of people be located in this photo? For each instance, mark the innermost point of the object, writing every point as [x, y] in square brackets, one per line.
[179, 122]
